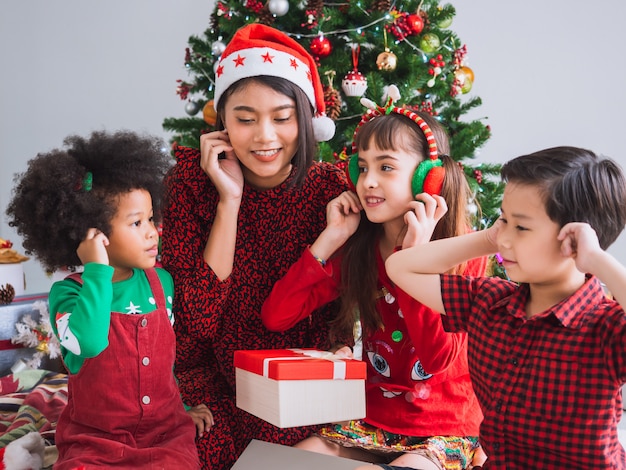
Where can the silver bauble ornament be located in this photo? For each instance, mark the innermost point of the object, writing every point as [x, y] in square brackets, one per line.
[217, 48]
[192, 108]
[278, 7]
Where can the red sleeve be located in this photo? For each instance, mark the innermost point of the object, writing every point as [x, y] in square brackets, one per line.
[306, 287]
[476, 267]
[190, 205]
[436, 348]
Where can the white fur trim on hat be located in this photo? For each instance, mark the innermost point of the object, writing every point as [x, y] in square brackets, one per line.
[262, 61]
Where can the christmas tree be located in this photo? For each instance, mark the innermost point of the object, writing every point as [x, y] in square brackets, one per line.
[361, 48]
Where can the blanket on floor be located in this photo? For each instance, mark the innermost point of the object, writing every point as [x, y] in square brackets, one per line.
[31, 401]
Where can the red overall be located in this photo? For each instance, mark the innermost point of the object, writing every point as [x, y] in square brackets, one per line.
[124, 409]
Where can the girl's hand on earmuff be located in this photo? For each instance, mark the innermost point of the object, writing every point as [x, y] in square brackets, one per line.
[93, 247]
[219, 162]
[422, 218]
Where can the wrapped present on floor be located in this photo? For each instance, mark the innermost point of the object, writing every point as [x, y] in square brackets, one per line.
[299, 387]
[26, 338]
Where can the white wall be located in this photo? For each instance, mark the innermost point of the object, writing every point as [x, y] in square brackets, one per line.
[549, 73]
[73, 66]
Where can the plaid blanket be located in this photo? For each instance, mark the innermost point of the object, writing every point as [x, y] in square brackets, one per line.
[31, 401]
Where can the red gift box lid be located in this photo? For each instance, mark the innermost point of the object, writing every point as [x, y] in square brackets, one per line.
[299, 364]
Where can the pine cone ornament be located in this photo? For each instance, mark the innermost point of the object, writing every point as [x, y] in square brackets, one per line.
[332, 100]
[316, 5]
[266, 17]
[381, 5]
[7, 294]
[213, 20]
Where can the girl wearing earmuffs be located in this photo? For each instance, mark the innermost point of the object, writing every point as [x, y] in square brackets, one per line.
[421, 408]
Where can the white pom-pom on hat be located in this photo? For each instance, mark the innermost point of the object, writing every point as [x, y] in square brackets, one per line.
[324, 128]
[257, 49]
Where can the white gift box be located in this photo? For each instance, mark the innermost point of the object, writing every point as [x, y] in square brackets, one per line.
[299, 387]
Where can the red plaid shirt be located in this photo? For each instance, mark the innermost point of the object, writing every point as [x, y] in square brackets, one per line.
[549, 386]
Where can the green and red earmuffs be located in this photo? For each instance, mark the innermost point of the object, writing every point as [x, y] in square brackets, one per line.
[429, 174]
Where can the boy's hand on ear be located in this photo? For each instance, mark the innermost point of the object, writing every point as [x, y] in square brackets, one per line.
[93, 247]
[491, 233]
[580, 241]
[422, 218]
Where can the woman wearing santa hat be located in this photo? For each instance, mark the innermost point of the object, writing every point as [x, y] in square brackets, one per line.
[240, 212]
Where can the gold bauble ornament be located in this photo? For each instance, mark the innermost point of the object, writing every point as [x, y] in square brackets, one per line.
[465, 77]
[209, 113]
[387, 61]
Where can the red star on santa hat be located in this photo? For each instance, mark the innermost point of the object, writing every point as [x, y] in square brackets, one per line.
[239, 60]
[267, 57]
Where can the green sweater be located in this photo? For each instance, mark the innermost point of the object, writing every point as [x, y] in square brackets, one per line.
[80, 315]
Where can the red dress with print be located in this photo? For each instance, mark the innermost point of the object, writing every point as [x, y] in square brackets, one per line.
[214, 318]
[135, 418]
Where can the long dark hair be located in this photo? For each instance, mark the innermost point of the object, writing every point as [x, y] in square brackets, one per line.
[359, 274]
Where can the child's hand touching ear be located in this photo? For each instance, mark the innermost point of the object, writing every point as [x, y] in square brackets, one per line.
[491, 233]
[422, 218]
[343, 215]
[93, 247]
[202, 418]
[580, 241]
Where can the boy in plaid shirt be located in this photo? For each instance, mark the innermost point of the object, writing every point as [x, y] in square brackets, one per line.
[547, 352]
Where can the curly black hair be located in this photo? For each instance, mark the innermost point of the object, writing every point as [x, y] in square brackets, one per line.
[65, 192]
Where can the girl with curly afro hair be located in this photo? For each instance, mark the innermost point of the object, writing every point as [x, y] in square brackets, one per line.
[93, 204]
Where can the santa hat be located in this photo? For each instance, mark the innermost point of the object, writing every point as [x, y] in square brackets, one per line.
[257, 49]
[25, 453]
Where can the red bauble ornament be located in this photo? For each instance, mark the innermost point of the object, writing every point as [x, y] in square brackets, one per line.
[321, 47]
[415, 22]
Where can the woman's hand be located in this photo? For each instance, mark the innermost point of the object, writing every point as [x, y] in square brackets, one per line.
[343, 351]
[202, 418]
[225, 173]
[422, 218]
[93, 248]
